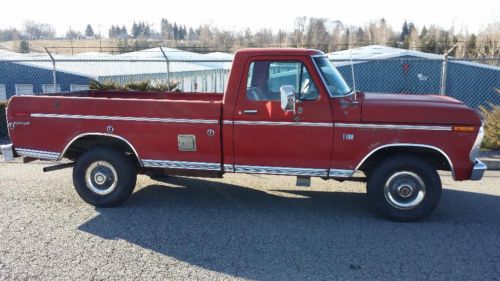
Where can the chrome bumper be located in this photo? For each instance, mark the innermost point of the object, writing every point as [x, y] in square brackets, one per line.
[478, 171]
[7, 152]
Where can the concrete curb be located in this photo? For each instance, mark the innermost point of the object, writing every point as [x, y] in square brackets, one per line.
[492, 163]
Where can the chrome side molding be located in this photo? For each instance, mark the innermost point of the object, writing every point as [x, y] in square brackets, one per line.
[408, 145]
[228, 168]
[393, 127]
[39, 154]
[340, 173]
[166, 164]
[68, 145]
[281, 171]
[126, 118]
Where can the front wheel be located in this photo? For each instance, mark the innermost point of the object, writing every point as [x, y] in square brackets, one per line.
[104, 177]
[404, 188]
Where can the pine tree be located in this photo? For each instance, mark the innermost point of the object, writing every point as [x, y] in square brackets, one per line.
[176, 31]
[135, 30]
[471, 45]
[24, 47]
[166, 29]
[89, 31]
[405, 31]
[192, 36]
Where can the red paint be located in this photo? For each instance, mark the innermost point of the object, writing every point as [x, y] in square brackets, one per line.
[321, 147]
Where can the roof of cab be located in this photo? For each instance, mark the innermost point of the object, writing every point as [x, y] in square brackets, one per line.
[278, 52]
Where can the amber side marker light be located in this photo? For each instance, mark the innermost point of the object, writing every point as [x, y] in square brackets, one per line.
[464, 129]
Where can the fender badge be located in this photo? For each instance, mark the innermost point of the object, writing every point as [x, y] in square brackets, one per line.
[348, 137]
[12, 125]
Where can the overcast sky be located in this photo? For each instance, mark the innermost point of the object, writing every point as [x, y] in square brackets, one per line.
[255, 14]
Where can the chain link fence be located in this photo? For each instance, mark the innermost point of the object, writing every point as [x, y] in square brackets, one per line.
[476, 82]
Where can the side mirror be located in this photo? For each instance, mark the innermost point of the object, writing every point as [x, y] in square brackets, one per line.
[288, 99]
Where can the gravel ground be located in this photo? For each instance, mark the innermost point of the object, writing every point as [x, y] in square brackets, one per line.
[240, 227]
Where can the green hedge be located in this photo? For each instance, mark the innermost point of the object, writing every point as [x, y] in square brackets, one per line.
[145, 85]
[491, 119]
[3, 121]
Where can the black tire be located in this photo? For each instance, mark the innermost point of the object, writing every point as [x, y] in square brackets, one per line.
[395, 188]
[104, 176]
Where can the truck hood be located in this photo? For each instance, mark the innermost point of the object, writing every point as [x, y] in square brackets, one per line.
[421, 109]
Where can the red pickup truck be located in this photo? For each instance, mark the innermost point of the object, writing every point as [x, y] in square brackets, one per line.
[285, 112]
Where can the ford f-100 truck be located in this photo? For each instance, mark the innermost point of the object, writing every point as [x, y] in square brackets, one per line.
[285, 112]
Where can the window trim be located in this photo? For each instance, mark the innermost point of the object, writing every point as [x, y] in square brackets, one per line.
[323, 78]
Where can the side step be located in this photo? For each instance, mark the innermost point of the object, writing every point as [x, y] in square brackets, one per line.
[303, 181]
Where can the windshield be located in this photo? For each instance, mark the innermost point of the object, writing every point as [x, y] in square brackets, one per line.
[334, 82]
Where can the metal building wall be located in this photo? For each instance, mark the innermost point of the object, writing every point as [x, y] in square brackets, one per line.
[14, 73]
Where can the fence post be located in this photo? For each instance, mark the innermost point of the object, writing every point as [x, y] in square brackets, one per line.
[54, 71]
[444, 74]
[168, 66]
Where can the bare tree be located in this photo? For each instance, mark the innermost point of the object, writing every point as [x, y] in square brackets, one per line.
[488, 41]
[317, 36]
[35, 31]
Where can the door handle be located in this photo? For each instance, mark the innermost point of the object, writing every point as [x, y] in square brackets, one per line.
[250, 111]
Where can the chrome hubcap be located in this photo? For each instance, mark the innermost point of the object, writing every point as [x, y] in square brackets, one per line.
[404, 190]
[101, 177]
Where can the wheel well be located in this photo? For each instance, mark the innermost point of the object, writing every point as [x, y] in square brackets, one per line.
[81, 144]
[432, 155]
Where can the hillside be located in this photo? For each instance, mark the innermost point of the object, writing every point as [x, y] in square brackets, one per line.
[64, 46]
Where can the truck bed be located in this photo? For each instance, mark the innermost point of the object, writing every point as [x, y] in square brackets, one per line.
[150, 122]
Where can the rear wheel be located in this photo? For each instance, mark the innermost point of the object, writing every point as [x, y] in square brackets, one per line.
[404, 188]
[104, 177]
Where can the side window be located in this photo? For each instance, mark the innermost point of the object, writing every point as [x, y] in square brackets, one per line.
[265, 79]
[308, 90]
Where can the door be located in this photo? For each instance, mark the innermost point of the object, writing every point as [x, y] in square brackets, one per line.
[267, 139]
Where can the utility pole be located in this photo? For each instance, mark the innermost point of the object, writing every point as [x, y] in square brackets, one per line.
[279, 36]
[100, 39]
[70, 40]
